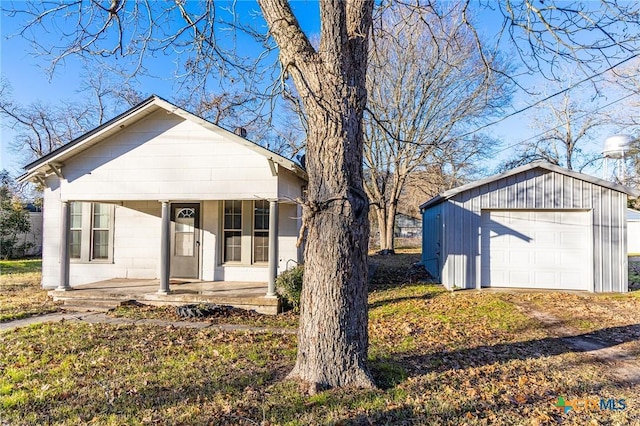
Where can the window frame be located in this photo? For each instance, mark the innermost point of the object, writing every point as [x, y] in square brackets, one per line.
[76, 210]
[264, 231]
[233, 230]
[248, 232]
[87, 230]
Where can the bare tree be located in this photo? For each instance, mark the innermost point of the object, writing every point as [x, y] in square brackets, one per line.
[427, 86]
[331, 82]
[40, 128]
[566, 125]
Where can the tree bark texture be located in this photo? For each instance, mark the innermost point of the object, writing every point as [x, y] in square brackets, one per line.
[333, 333]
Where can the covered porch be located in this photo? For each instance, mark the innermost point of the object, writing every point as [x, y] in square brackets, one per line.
[114, 292]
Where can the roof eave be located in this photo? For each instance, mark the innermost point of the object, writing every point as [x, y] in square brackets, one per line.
[632, 192]
[41, 165]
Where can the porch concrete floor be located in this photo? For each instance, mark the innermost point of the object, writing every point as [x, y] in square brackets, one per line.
[246, 295]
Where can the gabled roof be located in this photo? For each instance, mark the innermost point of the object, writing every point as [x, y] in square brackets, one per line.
[55, 159]
[535, 165]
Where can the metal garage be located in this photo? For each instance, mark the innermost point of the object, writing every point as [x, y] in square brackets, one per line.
[538, 226]
[633, 232]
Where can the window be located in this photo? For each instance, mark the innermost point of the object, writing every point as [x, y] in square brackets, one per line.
[245, 232]
[184, 235]
[232, 231]
[261, 231]
[100, 231]
[75, 234]
[91, 236]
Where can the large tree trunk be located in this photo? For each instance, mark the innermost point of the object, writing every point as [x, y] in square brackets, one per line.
[333, 334]
[390, 224]
[381, 218]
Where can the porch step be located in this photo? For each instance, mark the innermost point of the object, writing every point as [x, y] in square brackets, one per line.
[91, 305]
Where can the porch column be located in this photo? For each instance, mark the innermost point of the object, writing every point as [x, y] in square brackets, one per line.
[273, 248]
[165, 244]
[64, 248]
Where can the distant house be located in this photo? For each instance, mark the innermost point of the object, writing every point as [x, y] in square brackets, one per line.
[160, 193]
[633, 232]
[538, 226]
[407, 226]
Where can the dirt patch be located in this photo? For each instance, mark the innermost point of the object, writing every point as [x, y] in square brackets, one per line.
[621, 363]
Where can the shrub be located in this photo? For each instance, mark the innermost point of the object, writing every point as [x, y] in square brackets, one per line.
[289, 287]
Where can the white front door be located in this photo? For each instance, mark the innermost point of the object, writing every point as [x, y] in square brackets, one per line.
[544, 249]
[185, 241]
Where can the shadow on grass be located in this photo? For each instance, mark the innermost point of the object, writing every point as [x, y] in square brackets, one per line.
[384, 302]
[418, 364]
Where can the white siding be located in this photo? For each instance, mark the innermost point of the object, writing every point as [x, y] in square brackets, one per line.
[535, 189]
[536, 249]
[289, 185]
[136, 245]
[289, 224]
[166, 157]
[51, 234]
[210, 217]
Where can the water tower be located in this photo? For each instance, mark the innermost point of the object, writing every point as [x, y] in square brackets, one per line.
[615, 153]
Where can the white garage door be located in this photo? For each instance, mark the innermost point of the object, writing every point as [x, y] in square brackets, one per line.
[536, 249]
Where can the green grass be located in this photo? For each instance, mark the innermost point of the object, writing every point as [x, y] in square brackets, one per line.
[469, 358]
[20, 293]
[20, 266]
[78, 373]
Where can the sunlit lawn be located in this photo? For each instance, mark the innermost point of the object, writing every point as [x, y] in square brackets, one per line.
[439, 357]
[20, 292]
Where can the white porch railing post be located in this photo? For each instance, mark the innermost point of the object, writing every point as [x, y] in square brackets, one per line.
[273, 248]
[165, 244]
[64, 248]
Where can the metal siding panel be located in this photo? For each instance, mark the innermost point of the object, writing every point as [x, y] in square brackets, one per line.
[475, 281]
[577, 194]
[539, 198]
[447, 260]
[530, 188]
[614, 243]
[607, 248]
[535, 189]
[623, 285]
[567, 192]
[547, 201]
[619, 259]
[431, 241]
[599, 256]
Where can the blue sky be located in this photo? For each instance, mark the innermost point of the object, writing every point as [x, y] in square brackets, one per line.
[30, 83]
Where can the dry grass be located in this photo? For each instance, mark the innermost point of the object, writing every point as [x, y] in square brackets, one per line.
[232, 316]
[464, 358]
[20, 293]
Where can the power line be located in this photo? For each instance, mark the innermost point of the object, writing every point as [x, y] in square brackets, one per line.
[566, 89]
[553, 128]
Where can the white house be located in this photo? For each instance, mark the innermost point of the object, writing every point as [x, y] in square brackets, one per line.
[160, 193]
[537, 226]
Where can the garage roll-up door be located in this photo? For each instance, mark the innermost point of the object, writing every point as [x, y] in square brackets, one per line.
[541, 249]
